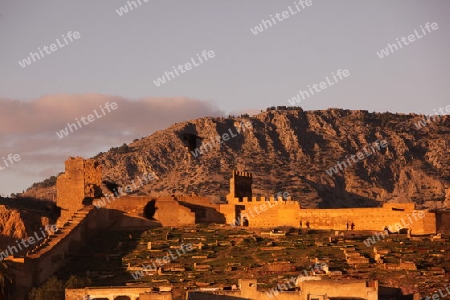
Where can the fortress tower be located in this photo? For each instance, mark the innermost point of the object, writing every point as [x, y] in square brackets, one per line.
[240, 185]
[80, 183]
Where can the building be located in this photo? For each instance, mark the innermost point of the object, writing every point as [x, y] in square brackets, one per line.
[305, 290]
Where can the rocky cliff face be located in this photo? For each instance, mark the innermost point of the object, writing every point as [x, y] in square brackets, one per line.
[291, 150]
[21, 218]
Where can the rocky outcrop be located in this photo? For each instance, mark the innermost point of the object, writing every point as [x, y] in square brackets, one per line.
[290, 150]
[21, 218]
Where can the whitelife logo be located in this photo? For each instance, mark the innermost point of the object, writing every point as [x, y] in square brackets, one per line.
[218, 139]
[393, 228]
[71, 36]
[90, 118]
[411, 38]
[124, 9]
[31, 240]
[11, 158]
[429, 119]
[161, 262]
[162, 80]
[281, 17]
[360, 156]
[129, 189]
[263, 207]
[319, 87]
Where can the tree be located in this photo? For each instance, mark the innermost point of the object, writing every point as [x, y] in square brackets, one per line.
[75, 282]
[52, 289]
[6, 281]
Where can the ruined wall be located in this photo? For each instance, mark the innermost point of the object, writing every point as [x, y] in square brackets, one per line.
[240, 185]
[168, 211]
[70, 189]
[92, 179]
[82, 178]
[205, 211]
[171, 213]
[443, 222]
[36, 268]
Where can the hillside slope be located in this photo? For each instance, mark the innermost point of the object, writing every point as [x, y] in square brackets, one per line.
[290, 150]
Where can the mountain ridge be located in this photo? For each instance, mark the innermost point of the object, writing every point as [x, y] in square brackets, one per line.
[288, 149]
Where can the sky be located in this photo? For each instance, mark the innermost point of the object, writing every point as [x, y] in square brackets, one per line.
[117, 56]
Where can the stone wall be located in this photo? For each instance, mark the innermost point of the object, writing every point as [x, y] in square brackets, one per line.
[323, 289]
[371, 218]
[270, 212]
[82, 179]
[262, 212]
[312, 289]
[205, 211]
[168, 211]
[35, 269]
[111, 293]
[443, 222]
[267, 212]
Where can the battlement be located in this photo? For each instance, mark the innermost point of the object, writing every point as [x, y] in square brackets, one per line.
[237, 173]
[262, 199]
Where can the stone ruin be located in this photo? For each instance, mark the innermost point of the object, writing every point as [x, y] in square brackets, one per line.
[78, 186]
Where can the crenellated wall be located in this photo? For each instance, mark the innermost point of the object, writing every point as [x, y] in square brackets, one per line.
[270, 212]
[262, 211]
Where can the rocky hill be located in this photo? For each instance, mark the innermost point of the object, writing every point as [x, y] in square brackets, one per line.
[22, 217]
[291, 150]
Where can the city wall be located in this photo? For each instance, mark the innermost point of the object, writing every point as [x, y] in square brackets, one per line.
[374, 219]
[289, 213]
[35, 269]
[262, 211]
[81, 184]
[270, 212]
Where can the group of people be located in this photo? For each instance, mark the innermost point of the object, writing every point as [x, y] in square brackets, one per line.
[352, 225]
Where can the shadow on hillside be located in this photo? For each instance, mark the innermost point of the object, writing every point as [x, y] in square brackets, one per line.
[330, 195]
[100, 258]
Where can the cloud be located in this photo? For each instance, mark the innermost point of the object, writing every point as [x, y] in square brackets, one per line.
[29, 128]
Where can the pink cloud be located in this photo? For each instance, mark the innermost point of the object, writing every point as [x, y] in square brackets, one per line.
[29, 129]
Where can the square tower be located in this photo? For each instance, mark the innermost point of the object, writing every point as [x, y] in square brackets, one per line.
[82, 180]
[240, 185]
